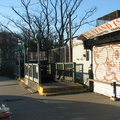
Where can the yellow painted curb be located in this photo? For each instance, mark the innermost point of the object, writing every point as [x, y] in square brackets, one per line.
[40, 89]
[22, 81]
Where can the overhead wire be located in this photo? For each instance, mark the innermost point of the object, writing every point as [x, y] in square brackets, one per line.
[23, 5]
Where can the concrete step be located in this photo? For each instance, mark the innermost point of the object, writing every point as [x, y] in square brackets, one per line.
[47, 88]
[54, 88]
[60, 88]
[65, 92]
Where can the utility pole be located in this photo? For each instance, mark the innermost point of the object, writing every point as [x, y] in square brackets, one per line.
[70, 38]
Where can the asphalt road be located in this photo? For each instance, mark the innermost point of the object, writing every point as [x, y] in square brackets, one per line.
[31, 106]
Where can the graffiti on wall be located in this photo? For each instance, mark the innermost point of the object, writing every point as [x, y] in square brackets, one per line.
[107, 63]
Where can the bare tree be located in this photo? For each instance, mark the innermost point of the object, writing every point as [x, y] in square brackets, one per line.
[51, 20]
[63, 8]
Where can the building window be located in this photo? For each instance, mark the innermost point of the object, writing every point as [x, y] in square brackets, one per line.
[87, 55]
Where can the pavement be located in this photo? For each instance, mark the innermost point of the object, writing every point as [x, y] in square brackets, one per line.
[32, 106]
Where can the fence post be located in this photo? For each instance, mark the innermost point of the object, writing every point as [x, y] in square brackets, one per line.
[24, 70]
[56, 71]
[74, 72]
[114, 90]
[114, 97]
[63, 71]
[28, 71]
[32, 72]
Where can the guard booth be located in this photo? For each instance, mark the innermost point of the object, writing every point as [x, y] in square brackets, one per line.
[104, 43]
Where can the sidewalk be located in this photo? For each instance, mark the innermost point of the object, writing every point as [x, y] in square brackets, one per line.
[32, 106]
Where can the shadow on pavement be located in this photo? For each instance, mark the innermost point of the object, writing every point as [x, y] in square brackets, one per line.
[2, 78]
[27, 108]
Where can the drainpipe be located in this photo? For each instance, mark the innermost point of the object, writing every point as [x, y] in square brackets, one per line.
[90, 72]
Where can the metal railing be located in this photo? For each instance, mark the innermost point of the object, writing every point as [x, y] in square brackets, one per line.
[56, 71]
[113, 84]
[65, 71]
[31, 71]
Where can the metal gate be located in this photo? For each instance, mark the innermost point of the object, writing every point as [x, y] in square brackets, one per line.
[67, 71]
[79, 73]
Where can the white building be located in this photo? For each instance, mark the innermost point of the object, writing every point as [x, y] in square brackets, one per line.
[81, 56]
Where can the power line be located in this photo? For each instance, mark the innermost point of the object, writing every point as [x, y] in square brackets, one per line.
[22, 6]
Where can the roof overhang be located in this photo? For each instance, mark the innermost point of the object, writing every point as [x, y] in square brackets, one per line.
[103, 29]
[111, 16]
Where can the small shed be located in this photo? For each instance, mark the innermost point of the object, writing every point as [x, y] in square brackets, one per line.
[104, 43]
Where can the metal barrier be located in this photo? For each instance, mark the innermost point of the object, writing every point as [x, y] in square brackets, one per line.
[54, 71]
[114, 84]
[79, 73]
[51, 69]
[31, 71]
[65, 71]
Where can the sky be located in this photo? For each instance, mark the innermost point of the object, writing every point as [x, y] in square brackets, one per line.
[103, 7]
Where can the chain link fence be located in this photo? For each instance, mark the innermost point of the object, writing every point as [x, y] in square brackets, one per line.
[58, 55]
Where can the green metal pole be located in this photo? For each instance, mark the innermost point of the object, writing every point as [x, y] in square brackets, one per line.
[19, 65]
[74, 72]
[39, 64]
[24, 54]
[38, 37]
